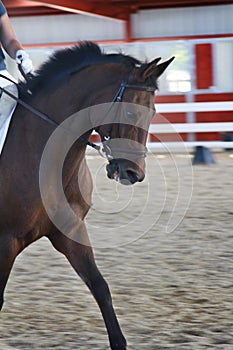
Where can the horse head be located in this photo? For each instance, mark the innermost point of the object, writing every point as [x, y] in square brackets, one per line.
[83, 78]
[125, 122]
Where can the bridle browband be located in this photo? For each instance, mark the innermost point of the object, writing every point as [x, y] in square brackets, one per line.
[106, 138]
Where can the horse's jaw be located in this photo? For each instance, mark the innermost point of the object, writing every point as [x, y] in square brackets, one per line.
[126, 175]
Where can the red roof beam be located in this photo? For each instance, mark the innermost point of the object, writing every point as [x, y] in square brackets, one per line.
[87, 7]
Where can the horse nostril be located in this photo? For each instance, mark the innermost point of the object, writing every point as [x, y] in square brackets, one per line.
[133, 176]
[125, 175]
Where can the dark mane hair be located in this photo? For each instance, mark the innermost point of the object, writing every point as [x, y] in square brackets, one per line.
[66, 61]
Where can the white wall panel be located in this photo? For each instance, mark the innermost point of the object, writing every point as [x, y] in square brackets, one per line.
[145, 24]
[224, 66]
[58, 29]
[204, 20]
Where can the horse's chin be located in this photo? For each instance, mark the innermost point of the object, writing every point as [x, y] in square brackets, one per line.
[125, 176]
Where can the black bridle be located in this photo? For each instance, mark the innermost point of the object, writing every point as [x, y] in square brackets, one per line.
[137, 153]
[107, 137]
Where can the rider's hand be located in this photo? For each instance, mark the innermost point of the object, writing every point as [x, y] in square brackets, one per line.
[24, 61]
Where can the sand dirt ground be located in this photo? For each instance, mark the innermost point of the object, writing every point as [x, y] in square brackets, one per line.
[165, 246]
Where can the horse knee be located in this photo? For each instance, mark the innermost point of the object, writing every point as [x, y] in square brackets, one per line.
[102, 292]
[99, 288]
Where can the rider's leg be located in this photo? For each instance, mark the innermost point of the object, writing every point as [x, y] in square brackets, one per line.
[6, 102]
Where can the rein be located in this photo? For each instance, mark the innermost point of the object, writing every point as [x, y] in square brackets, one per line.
[26, 105]
[106, 138]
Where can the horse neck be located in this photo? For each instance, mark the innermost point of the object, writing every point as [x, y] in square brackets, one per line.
[79, 90]
[30, 132]
[67, 101]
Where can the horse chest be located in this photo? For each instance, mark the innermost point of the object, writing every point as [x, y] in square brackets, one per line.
[78, 191]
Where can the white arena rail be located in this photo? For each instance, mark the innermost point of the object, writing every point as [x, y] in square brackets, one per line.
[190, 144]
[190, 128]
[168, 128]
[194, 107]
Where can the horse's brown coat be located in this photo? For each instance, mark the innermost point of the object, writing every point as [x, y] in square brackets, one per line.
[87, 77]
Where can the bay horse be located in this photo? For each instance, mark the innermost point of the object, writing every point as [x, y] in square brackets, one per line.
[71, 80]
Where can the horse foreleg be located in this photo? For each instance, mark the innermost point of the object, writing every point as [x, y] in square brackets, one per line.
[82, 260]
[8, 251]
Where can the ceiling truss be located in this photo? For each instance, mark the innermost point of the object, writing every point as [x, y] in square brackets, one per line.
[117, 9]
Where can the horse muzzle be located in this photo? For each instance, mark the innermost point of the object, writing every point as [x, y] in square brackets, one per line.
[126, 174]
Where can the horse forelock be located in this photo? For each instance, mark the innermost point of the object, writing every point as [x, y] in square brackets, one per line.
[66, 61]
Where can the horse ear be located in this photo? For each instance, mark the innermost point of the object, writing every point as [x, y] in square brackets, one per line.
[159, 69]
[155, 69]
[150, 68]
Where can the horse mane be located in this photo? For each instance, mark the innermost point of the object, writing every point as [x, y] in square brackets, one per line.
[66, 61]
